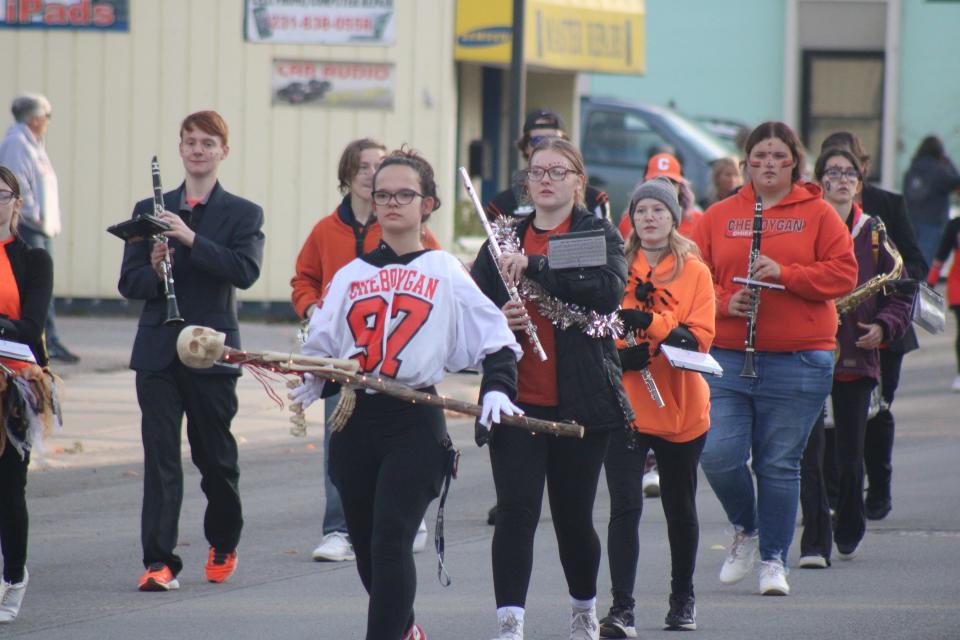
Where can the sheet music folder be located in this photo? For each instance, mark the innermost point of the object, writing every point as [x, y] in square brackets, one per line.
[139, 228]
[691, 360]
[16, 351]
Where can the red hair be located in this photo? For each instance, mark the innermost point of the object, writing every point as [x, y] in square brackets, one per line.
[210, 122]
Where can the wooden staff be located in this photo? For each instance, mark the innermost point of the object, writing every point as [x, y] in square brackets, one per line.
[202, 347]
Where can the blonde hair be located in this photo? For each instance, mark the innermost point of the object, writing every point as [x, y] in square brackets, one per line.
[679, 246]
[569, 151]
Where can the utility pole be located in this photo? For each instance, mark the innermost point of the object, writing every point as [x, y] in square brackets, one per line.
[518, 85]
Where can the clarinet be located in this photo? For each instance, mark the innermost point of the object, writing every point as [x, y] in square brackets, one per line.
[530, 329]
[648, 380]
[166, 266]
[749, 371]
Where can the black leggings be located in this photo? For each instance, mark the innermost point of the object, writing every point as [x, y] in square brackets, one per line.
[956, 344]
[677, 463]
[571, 469]
[388, 463]
[14, 521]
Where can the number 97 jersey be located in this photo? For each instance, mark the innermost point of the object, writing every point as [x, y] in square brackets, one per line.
[408, 318]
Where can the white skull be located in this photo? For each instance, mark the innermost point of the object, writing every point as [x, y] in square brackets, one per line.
[200, 347]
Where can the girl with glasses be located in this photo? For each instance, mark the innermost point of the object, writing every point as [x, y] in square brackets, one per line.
[879, 319]
[407, 313]
[580, 381]
[26, 284]
[350, 231]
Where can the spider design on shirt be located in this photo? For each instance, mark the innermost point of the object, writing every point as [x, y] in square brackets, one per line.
[648, 293]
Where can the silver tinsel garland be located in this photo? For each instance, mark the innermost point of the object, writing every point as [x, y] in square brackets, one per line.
[562, 315]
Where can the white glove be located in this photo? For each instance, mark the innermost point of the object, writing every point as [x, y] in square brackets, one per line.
[308, 392]
[496, 403]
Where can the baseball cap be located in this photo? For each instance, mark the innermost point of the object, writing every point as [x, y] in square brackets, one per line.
[664, 164]
[542, 118]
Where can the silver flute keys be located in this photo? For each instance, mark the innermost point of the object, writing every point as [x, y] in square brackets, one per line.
[530, 329]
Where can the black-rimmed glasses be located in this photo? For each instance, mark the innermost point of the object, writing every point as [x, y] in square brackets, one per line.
[6, 197]
[558, 174]
[404, 196]
[835, 174]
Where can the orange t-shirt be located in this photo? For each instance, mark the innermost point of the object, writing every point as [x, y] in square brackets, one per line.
[9, 298]
[537, 381]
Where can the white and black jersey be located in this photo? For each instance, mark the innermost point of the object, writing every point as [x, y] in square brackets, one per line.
[412, 317]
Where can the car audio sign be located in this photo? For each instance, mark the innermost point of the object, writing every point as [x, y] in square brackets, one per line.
[333, 84]
[345, 22]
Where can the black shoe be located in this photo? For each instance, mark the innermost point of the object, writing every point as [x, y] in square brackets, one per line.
[618, 623]
[56, 351]
[877, 510]
[683, 613]
[492, 516]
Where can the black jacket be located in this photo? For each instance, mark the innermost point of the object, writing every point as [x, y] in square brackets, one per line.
[589, 378]
[506, 203]
[33, 271]
[226, 255]
[891, 209]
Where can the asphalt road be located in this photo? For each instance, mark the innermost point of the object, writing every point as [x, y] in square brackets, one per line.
[84, 558]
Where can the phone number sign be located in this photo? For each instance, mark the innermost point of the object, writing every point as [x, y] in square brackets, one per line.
[344, 22]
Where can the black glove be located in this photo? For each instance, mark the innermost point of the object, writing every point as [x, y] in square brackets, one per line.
[481, 435]
[635, 358]
[634, 319]
[682, 338]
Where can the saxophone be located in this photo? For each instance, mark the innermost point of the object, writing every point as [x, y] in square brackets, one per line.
[880, 283]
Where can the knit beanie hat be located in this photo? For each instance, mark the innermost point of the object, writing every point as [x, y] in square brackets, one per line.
[659, 188]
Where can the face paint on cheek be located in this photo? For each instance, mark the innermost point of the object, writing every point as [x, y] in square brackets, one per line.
[827, 186]
[786, 163]
[756, 164]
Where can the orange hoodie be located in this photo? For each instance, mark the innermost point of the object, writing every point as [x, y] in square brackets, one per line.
[688, 300]
[812, 245]
[333, 242]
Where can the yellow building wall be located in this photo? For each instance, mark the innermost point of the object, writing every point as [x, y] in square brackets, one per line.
[118, 99]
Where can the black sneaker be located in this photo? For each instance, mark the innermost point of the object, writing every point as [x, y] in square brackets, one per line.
[683, 613]
[492, 516]
[56, 351]
[876, 510]
[618, 623]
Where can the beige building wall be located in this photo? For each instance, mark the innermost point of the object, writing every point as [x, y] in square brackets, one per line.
[118, 99]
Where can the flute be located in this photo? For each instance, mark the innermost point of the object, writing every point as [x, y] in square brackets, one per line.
[646, 375]
[530, 329]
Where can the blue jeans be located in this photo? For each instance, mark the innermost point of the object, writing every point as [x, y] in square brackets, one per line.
[769, 417]
[37, 240]
[928, 238]
[333, 518]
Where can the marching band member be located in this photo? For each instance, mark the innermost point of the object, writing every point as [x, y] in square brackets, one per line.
[26, 284]
[806, 249]
[407, 313]
[580, 381]
[669, 299]
[878, 319]
[216, 247]
[347, 233]
[949, 243]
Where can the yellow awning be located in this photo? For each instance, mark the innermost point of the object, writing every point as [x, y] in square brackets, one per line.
[570, 35]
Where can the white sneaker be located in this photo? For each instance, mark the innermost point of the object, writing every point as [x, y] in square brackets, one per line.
[814, 561]
[509, 625]
[12, 598]
[956, 384]
[741, 557]
[773, 579]
[848, 553]
[420, 541]
[335, 547]
[651, 483]
[584, 625]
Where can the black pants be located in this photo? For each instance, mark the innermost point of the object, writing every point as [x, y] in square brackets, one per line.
[851, 400]
[210, 403]
[521, 464]
[878, 444]
[817, 538]
[677, 463]
[14, 521]
[388, 463]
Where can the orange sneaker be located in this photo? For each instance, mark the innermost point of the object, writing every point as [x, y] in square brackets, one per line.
[220, 566]
[158, 577]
